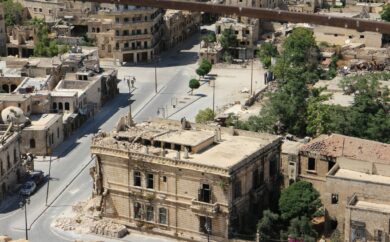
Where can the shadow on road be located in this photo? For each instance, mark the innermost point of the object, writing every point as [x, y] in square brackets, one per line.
[92, 124]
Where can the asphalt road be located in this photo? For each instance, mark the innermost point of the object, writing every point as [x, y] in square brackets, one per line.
[70, 180]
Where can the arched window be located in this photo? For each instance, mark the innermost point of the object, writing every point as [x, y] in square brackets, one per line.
[54, 106]
[32, 143]
[93, 30]
[66, 106]
[60, 106]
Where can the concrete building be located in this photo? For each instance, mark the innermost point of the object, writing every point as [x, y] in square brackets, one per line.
[129, 34]
[3, 32]
[43, 135]
[11, 169]
[177, 179]
[247, 35]
[178, 26]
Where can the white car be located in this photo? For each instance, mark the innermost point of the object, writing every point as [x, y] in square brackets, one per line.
[28, 188]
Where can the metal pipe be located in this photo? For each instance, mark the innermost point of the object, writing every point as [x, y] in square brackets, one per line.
[261, 13]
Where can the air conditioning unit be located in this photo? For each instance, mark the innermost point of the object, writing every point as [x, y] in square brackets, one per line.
[292, 170]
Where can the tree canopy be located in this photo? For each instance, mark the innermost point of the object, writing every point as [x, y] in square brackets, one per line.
[228, 39]
[194, 84]
[299, 199]
[44, 47]
[385, 13]
[13, 12]
[266, 52]
[205, 115]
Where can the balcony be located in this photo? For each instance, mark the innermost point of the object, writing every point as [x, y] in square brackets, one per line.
[204, 208]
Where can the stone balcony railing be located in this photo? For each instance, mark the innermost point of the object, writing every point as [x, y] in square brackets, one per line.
[205, 208]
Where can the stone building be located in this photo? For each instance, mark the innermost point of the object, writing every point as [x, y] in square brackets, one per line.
[247, 35]
[50, 11]
[353, 178]
[178, 179]
[43, 135]
[129, 34]
[3, 32]
[254, 3]
[11, 169]
[178, 26]
[20, 41]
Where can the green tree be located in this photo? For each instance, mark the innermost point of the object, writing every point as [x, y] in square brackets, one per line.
[385, 13]
[194, 84]
[200, 71]
[266, 51]
[269, 226]
[336, 236]
[44, 47]
[204, 116]
[302, 228]
[299, 200]
[206, 66]
[13, 12]
[228, 39]
[209, 38]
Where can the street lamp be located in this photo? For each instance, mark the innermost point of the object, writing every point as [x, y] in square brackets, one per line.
[23, 203]
[208, 229]
[48, 181]
[156, 60]
[130, 83]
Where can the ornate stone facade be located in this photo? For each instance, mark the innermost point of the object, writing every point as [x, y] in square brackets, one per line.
[161, 178]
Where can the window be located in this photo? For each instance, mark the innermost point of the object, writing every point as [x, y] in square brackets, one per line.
[331, 164]
[378, 234]
[162, 215]
[255, 179]
[58, 132]
[137, 178]
[273, 166]
[335, 198]
[164, 179]
[149, 213]
[205, 225]
[117, 20]
[149, 181]
[204, 193]
[8, 162]
[362, 36]
[67, 106]
[311, 165]
[60, 106]
[237, 189]
[15, 156]
[137, 210]
[32, 143]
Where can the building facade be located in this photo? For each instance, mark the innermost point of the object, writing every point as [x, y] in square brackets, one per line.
[3, 32]
[11, 169]
[353, 178]
[185, 180]
[129, 34]
[178, 26]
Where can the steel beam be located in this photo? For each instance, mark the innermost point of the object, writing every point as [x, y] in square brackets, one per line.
[262, 13]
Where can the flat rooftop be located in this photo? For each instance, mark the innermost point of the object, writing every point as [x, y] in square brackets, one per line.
[43, 121]
[13, 97]
[360, 176]
[224, 153]
[63, 93]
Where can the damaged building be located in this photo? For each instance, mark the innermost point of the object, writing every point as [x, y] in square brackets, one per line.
[185, 180]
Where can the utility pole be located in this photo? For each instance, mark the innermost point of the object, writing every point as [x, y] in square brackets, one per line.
[155, 72]
[130, 82]
[214, 97]
[48, 181]
[252, 77]
[23, 203]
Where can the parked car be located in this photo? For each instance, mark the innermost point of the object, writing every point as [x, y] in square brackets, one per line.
[28, 188]
[37, 177]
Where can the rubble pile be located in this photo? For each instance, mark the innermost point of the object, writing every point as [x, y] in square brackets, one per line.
[107, 227]
[83, 221]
